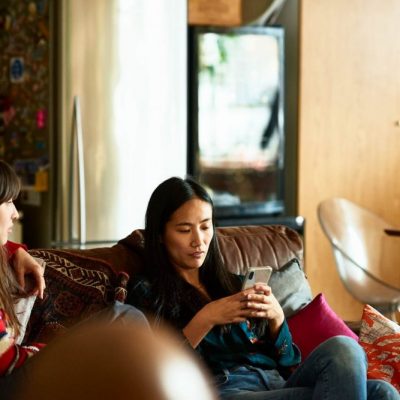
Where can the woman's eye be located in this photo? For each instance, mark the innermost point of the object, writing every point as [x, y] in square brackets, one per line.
[206, 227]
[183, 230]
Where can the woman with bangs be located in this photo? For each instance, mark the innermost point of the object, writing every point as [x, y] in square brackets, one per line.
[13, 253]
[20, 371]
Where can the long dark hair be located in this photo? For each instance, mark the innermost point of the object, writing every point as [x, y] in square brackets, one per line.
[177, 300]
[9, 190]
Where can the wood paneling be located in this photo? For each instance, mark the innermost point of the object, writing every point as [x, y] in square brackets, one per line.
[349, 133]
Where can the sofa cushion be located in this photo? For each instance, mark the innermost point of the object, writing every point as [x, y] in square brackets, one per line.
[316, 323]
[241, 246]
[246, 246]
[290, 287]
[380, 338]
[76, 287]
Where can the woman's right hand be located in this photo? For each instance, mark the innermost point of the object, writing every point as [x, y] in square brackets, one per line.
[227, 310]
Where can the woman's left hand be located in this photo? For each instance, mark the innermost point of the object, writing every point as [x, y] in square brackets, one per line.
[265, 305]
[24, 264]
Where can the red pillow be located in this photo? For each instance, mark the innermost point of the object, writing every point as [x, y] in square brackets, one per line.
[316, 323]
[380, 338]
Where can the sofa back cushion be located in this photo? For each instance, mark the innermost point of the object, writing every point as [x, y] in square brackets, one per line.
[245, 246]
[242, 246]
[76, 287]
[275, 245]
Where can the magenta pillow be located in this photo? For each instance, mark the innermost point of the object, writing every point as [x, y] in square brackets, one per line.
[315, 323]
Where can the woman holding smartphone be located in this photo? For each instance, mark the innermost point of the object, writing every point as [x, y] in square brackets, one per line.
[242, 335]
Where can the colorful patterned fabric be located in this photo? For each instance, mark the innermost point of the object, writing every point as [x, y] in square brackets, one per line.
[380, 338]
[76, 288]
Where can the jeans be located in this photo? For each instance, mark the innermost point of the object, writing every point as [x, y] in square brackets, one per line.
[118, 312]
[335, 370]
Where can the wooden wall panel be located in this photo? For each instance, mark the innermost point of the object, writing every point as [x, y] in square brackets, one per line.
[349, 134]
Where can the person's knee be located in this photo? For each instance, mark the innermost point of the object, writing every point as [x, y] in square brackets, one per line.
[120, 313]
[339, 344]
[345, 351]
[379, 389]
[113, 361]
[127, 311]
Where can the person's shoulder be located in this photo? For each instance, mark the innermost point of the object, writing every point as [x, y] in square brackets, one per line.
[140, 287]
[12, 248]
[140, 281]
[140, 292]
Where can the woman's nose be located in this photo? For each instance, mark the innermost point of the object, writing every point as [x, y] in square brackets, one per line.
[15, 214]
[195, 243]
[196, 240]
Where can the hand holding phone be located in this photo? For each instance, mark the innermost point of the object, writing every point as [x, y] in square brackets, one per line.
[257, 275]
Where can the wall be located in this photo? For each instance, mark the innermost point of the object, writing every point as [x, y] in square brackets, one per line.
[26, 107]
[349, 135]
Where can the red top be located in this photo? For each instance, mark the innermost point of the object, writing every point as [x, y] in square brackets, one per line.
[13, 247]
[12, 355]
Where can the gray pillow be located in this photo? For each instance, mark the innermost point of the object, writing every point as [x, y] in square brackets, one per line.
[290, 287]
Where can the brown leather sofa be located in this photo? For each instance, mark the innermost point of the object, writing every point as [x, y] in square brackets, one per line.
[241, 247]
[81, 282]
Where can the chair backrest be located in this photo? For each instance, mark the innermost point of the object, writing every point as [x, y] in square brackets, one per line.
[364, 287]
[358, 240]
[355, 231]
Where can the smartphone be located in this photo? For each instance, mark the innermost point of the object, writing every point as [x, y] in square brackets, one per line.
[256, 275]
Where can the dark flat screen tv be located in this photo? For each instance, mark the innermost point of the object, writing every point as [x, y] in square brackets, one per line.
[236, 118]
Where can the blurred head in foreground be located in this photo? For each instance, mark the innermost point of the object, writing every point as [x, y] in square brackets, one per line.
[117, 362]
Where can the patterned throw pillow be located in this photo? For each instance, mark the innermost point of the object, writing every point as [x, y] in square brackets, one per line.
[380, 338]
[76, 288]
